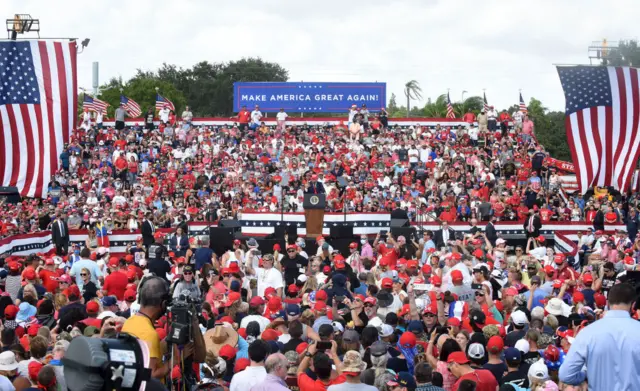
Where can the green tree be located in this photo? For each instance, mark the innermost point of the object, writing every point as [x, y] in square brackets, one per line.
[549, 129]
[473, 103]
[393, 105]
[626, 54]
[412, 91]
[436, 109]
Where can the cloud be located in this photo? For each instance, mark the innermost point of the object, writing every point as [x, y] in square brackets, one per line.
[459, 45]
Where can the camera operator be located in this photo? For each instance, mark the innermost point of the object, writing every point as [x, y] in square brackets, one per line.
[187, 283]
[154, 296]
[157, 254]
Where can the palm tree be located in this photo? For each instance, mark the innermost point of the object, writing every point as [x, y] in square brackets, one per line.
[413, 91]
[437, 109]
[473, 103]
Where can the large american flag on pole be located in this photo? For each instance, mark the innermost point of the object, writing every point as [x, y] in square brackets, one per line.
[602, 116]
[131, 106]
[38, 95]
[450, 113]
[94, 104]
[523, 106]
[485, 106]
[161, 101]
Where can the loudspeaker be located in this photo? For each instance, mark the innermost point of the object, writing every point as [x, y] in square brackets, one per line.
[280, 230]
[10, 194]
[235, 224]
[399, 223]
[341, 231]
[407, 232]
[221, 239]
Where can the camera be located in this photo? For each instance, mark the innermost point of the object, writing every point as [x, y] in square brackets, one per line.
[181, 313]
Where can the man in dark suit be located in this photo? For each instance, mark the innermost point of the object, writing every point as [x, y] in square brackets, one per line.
[179, 243]
[532, 225]
[148, 229]
[315, 187]
[399, 213]
[444, 235]
[490, 231]
[598, 220]
[60, 234]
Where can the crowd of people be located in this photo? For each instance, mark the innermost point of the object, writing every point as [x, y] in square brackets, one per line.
[446, 311]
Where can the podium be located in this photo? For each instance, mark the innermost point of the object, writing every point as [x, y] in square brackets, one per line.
[314, 205]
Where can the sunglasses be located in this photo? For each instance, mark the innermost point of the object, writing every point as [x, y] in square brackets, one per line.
[518, 250]
[368, 305]
[479, 293]
[430, 315]
[187, 273]
[291, 251]
[531, 268]
[83, 274]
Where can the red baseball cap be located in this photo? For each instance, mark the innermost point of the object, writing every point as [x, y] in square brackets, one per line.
[237, 241]
[130, 295]
[478, 253]
[578, 297]
[270, 291]
[558, 259]
[453, 322]
[320, 306]
[549, 269]
[274, 303]
[540, 239]
[114, 261]
[227, 352]
[241, 364]
[93, 307]
[426, 269]
[370, 300]
[32, 331]
[293, 288]
[587, 278]
[340, 264]
[557, 284]
[456, 276]
[458, 358]
[412, 264]
[405, 310]
[49, 262]
[353, 245]
[10, 312]
[234, 268]
[158, 235]
[598, 298]
[73, 290]
[495, 344]
[384, 262]
[29, 274]
[436, 280]
[386, 283]
[129, 258]
[408, 339]
[322, 295]
[256, 301]
[511, 291]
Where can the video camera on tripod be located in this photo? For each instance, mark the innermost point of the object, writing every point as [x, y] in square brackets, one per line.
[181, 312]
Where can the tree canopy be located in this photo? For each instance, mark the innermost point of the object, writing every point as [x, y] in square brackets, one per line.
[206, 87]
[626, 54]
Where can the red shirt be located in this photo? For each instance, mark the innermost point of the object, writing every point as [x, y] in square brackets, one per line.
[115, 284]
[49, 280]
[305, 383]
[243, 117]
[485, 381]
[545, 215]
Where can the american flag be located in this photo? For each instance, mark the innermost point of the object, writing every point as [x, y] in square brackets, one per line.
[94, 104]
[130, 105]
[38, 95]
[486, 105]
[161, 101]
[602, 115]
[523, 106]
[450, 113]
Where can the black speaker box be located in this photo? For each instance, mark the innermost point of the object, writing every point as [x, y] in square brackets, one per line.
[221, 239]
[10, 194]
[235, 224]
[341, 231]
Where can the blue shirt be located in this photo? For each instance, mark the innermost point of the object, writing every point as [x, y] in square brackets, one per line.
[610, 349]
[77, 267]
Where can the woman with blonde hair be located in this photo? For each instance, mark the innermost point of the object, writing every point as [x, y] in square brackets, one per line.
[91, 242]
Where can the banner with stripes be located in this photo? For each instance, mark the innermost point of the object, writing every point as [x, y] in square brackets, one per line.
[262, 224]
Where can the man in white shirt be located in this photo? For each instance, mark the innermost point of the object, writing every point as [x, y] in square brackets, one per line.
[256, 116]
[164, 114]
[424, 153]
[267, 276]
[473, 135]
[256, 308]
[255, 372]
[281, 117]
[99, 117]
[414, 155]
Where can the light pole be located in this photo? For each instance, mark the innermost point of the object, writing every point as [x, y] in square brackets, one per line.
[462, 98]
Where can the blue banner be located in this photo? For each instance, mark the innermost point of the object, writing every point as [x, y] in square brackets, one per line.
[309, 97]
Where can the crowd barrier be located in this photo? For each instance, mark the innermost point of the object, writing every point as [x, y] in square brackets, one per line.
[260, 225]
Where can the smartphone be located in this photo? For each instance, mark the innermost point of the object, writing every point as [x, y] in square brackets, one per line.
[475, 286]
[323, 345]
[339, 299]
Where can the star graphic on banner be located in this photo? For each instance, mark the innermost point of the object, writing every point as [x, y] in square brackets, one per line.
[261, 224]
[335, 225]
[324, 225]
[278, 223]
[254, 223]
[365, 224]
[355, 224]
[288, 224]
[299, 224]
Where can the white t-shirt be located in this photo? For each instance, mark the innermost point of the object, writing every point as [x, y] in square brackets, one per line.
[256, 116]
[281, 116]
[243, 381]
[413, 155]
[164, 115]
[473, 133]
[538, 252]
[268, 278]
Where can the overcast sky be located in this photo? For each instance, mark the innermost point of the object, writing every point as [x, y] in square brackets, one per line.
[498, 45]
